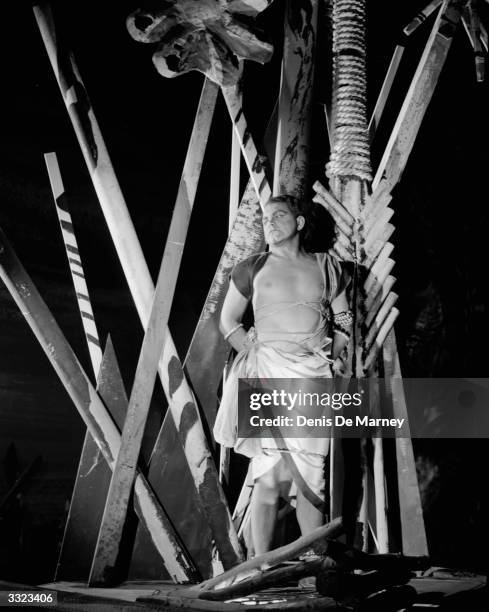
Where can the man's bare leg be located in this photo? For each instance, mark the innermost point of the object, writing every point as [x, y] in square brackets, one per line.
[264, 508]
[308, 516]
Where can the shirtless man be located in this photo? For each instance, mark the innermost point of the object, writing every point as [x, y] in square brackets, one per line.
[291, 292]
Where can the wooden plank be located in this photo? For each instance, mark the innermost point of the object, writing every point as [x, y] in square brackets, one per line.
[419, 95]
[92, 481]
[295, 99]
[177, 390]
[90, 406]
[385, 90]
[412, 524]
[374, 349]
[93, 474]
[234, 182]
[257, 164]
[124, 472]
[74, 261]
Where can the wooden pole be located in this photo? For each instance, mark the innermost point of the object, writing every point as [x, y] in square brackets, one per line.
[180, 397]
[295, 99]
[90, 406]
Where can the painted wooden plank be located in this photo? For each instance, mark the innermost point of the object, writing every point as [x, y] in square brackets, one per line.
[74, 261]
[295, 99]
[419, 95]
[412, 524]
[89, 405]
[257, 164]
[93, 474]
[92, 481]
[177, 390]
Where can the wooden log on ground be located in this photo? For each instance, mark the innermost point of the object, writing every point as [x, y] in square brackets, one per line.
[262, 562]
[265, 579]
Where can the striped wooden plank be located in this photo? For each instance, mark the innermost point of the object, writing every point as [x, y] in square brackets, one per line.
[93, 474]
[74, 262]
[90, 406]
[177, 390]
[257, 164]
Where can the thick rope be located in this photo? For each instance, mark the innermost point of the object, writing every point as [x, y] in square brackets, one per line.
[350, 151]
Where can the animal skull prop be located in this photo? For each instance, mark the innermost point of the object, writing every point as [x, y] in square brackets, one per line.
[210, 36]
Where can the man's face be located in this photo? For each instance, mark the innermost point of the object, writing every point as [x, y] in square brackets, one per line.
[279, 223]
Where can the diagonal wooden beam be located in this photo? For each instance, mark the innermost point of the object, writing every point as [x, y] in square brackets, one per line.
[74, 262]
[177, 390]
[419, 95]
[124, 473]
[93, 474]
[90, 407]
[385, 90]
[257, 164]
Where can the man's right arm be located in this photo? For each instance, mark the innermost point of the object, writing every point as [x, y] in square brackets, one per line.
[232, 312]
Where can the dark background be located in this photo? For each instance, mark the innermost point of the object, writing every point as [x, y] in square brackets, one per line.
[441, 224]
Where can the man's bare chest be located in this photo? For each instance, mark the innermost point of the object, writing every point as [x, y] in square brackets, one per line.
[285, 281]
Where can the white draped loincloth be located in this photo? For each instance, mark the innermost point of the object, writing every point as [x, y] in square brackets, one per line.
[272, 356]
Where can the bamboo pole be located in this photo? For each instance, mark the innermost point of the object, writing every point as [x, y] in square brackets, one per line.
[180, 397]
[90, 406]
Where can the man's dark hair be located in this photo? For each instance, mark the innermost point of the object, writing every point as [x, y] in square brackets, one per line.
[319, 232]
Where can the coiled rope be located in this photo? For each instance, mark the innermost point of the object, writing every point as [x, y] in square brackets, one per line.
[350, 151]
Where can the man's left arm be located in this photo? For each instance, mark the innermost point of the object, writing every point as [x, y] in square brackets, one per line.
[342, 324]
